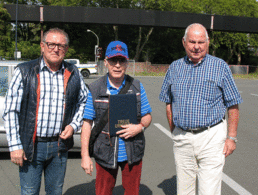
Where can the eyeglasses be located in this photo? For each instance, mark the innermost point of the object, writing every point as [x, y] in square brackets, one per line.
[53, 45]
[114, 61]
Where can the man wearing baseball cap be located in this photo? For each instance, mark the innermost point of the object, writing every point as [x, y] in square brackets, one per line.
[125, 150]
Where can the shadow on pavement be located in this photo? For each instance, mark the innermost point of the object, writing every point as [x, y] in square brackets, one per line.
[5, 156]
[169, 186]
[89, 189]
[71, 155]
[74, 155]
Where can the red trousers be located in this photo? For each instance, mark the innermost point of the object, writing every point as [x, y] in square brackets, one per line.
[131, 176]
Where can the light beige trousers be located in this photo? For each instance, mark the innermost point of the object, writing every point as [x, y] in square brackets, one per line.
[200, 157]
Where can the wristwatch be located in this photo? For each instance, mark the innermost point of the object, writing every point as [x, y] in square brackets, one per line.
[143, 128]
[233, 138]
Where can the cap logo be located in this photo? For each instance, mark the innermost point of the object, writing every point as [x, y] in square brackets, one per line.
[118, 48]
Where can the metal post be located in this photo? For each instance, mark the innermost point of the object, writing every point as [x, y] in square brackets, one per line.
[41, 21]
[16, 30]
[96, 46]
[212, 21]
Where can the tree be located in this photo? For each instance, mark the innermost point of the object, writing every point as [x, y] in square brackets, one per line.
[237, 43]
[158, 45]
[5, 30]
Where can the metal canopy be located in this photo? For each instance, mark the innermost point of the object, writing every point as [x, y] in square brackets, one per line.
[113, 16]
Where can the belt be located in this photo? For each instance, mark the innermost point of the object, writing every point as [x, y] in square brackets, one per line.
[201, 129]
[47, 139]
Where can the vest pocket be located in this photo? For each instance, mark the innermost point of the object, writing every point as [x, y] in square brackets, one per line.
[101, 107]
[102, 149]
[139, 145]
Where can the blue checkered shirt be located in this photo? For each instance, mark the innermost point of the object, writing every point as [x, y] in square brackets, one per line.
[200, 94]
[51, 109]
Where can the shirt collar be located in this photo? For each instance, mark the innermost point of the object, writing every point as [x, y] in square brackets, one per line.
[109, 86]
[44, 66]
[187, 59]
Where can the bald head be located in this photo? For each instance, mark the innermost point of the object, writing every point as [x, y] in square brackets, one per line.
[196, 42]
[198, 26]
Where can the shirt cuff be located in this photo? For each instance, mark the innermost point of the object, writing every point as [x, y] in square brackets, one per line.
[74, 126]
[232, 103]
[16, 147]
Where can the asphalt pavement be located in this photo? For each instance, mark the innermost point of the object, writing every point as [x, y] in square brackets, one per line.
[158, 172]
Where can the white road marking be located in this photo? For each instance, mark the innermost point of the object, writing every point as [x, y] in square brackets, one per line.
[254, 94]
[230, 182]
[163, 129]
[234, 185]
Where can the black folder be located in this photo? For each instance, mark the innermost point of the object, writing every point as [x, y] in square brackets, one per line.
[122, 110]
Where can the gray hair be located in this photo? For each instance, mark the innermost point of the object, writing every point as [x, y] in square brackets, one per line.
[56, 30]
[193, 25]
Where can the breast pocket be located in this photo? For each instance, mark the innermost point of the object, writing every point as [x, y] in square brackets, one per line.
[209, 90]
[102, 106]
[176, 90]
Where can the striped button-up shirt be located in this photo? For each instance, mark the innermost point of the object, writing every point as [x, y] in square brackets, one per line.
[51, 105]
[200, 94]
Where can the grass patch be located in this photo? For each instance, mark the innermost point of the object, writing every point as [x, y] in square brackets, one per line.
[236, 76]
[150, 74]
[246, 76]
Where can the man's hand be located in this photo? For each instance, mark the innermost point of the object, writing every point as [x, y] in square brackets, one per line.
[129, 131]
[87, 165]
[18, 156]
[67, 133]
[229, 147]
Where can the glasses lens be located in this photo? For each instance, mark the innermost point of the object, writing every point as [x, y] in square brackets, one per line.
[53, 45]
[117, 60]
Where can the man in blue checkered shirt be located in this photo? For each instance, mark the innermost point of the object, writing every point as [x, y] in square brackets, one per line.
[198, 90]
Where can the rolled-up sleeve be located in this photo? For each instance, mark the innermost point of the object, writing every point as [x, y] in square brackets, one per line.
[165, 95]
[230, 91]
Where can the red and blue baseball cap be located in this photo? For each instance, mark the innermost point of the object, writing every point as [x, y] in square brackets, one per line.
[117, 48]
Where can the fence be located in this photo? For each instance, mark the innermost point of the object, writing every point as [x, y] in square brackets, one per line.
[138, 67]
[239, 69]
[243, 69]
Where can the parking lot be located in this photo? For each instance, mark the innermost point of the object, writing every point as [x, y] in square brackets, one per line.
[159, 173]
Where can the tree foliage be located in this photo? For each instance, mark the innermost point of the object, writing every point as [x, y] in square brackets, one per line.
[5, 30]
[158, 45]
[236, 43]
